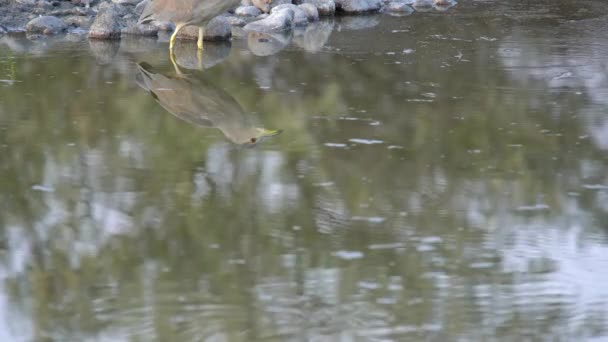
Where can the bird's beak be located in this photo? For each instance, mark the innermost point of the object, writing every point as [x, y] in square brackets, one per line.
[265, 133]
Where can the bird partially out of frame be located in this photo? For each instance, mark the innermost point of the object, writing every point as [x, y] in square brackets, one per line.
[185, 12]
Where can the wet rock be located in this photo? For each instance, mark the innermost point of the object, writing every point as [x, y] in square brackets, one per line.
[277, 21]
[139, 8]
[266, 44]
[106, 24]
[311, 11]
[324, 7]
[78, 21]
[398, 7]
[275, 3]
[127, 2]
[133, 28]
[314, 36]
[237, 21]
[300, 18]
[423, 5]
[247, 11]
[358, 6]
[165, 26]
[218, 29]
[72, 11]
[46, 25]
[444, 5]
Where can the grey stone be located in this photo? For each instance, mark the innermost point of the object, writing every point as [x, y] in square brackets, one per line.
[444, 5]
[46, 25]
[133, 28]
[398, 7]
[165, 26]
[358, 6]
[311, 11]
[275, 3]
[423, 5]
[78, 21]
[246, 3]
[324, 7]
[277, 21]
[139, 8]
[300, 18]
[127, 2]
[3, 30]
[218, 29]
[236, 21]
[247, 11]
[106, 25]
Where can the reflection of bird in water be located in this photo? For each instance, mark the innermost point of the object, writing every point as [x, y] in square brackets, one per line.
[201, 103]
[185, 12]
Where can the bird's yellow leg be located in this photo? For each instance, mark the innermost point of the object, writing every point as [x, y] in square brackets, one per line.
[201, 35]
[174, 35]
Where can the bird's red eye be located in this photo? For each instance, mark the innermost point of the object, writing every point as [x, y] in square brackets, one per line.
[253, 140]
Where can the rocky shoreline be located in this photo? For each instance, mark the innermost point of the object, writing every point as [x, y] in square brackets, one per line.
[115, 19]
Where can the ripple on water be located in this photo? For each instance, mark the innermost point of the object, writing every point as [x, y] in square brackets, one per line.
[366, 141]
[348, 255]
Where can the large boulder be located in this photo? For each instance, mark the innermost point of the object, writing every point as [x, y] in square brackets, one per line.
[107, 23]
[278, 21]
[311, 11]
[358, 6]
[247, 11]
[46, 25]
[324, 7]
[300, 18]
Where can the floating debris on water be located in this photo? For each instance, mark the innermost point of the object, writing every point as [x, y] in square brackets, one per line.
[408, 51]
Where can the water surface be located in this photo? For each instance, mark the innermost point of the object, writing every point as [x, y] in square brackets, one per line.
[440, 176]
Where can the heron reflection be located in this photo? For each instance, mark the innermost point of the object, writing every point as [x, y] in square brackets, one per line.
[199, 102]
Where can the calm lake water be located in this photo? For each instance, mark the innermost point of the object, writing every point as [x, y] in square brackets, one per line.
[441, 176]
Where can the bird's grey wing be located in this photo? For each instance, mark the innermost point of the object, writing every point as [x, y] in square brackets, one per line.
[208, 9]
[176, 11]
